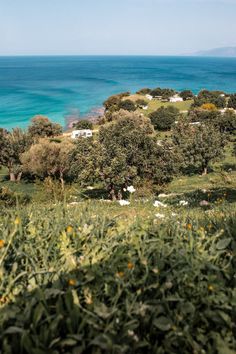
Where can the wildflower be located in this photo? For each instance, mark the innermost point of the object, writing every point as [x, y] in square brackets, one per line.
[2, 242]
[159, 204]
[130, 265]
[90, 188]
[120, 274]
[210, 288]
[204, 203]
[131, 189]
[69, 229]
[124, 202]
[71, 282]
[183, 202]
[159, 216]
[155, 270]
[189, 226]
[17, 221]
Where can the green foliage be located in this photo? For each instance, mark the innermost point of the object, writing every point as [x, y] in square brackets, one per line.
[198, 145]
[227, 121]
[47, 158]
[214, 97]
[127, 105]
[204, 116]
[144, 91]
[83, 124]
[164, 117]
[12, 145]
[42, 127]
[232, 101]
[76, 281]
[165, 93]
[186, 95]
[141, 103]
[128, 153]
[9, 198]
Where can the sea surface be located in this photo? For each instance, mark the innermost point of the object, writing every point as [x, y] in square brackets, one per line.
[71, 86]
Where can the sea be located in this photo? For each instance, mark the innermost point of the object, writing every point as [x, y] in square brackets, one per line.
[67, 87]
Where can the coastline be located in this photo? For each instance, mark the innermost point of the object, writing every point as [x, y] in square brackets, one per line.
[92, 116]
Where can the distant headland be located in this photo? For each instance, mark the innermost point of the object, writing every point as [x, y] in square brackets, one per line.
[218, 52]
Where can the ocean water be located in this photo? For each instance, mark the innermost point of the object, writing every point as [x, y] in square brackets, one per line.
[59, 87]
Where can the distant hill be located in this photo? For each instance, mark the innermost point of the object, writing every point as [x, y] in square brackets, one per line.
[218, 52]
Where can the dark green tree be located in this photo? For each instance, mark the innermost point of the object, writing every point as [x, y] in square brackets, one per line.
[12, 145]
[83, 124]
[186, 95]
[164, 117]
[127, 105]
[42, 127]
[129, 154]
[215, 97]
[232, 101]
[197, 145]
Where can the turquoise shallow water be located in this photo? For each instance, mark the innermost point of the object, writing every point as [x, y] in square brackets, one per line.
[62, 86]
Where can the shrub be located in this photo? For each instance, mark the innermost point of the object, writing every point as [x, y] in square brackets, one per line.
[83, 124]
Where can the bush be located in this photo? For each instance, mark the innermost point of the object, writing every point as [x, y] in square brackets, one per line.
[127, 105]
[83, 124]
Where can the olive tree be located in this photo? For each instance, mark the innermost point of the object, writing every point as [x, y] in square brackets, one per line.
[48, 159]
[12, 145]
[197, 145]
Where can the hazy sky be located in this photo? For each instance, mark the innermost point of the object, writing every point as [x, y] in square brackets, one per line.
[115, 26]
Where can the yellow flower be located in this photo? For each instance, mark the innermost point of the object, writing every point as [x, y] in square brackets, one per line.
[120, 274]
[189, 226]
[71, 282]
[130, 265]
[210, 288]
[69, 229]
[17, 221]
[2, 242]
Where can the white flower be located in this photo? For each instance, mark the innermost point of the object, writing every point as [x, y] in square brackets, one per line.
[131, 189]
[90, 188]
[204, 203]
[159, 216]
[173, 214]
[183, 202]
[159, 204]
[124, 189]
[124, 202]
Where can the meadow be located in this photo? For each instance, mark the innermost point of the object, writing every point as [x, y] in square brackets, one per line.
[84, 275]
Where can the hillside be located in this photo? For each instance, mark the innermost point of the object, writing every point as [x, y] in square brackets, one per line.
[218, 52]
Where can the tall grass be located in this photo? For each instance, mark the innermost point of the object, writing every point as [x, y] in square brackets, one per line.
[82, 279]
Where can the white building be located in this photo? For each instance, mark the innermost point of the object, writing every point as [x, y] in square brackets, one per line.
[84, 133]
[176, 98]
[149, 97]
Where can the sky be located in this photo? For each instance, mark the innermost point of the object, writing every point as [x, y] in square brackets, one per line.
[115, 27]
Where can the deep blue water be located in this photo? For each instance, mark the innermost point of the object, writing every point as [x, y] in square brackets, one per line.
[61, 86]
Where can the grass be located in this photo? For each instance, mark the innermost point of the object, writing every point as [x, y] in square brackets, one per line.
[100, 278]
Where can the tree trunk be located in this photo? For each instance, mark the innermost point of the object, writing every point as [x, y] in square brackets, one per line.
[62, 181]
[113, 194]
[204, 172]
[18, 178]
[12, 177]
